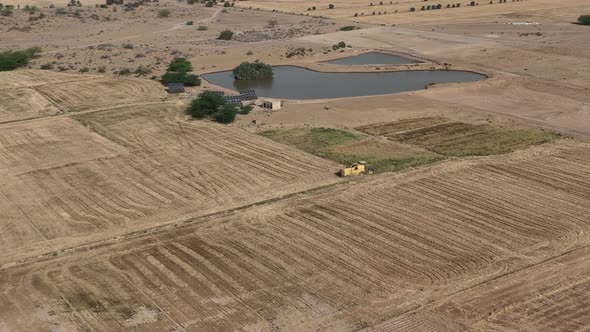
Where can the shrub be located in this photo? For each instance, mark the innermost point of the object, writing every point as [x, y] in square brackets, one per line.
[47, 66]
[7, 11]
[227, 4]
[272, 23]
[84, 70]
[60, 11]
[124, 72]
[10, 60]
[226, 35]
[180, 65]
[227, 114]
[253, 71]
[472, 3]
[245, 109]
[206, 104]
[348, 28]
[164, 13]
[142, 71]
[584, 19]
[331, 6]
[101, 69]
[209, 4]
[342, 44]
[189, 23]
[202, 28]
[128, 46]
[412, 9]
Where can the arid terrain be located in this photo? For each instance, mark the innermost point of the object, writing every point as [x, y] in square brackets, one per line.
[119, 212]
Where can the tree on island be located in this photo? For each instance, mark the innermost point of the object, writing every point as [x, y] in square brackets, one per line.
[253, 71]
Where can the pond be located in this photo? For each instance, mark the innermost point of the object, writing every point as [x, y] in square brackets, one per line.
[292, 82]
[373, 58]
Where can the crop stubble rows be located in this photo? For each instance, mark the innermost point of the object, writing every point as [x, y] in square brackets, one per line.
[340, 259]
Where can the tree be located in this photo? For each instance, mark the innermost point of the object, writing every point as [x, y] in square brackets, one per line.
[226, 35]
[253, 71]
[206, 104]
[412, 9]
[181, 77]
[342, 44]
[181, 65]
[227, 114]
[584, 19]
[331, 6]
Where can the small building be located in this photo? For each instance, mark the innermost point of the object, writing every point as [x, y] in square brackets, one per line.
[175, 87]
[272, 104]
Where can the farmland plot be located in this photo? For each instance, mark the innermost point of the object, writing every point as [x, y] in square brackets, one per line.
[88, 94]
[63, 184]
[28, 78]
[19, 104]
[340, 259]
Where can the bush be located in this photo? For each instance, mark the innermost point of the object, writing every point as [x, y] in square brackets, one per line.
[124, 72]
[227, 4]
[412, 9]
[226, 35]
[253, 71]
[60, 11]
[206, 104]
[47, 66]
[227, 114]
[7, 11]
[180, 65]
[142, 71]
[342, 44]
[272, 23]
[348, 28]
[202, 28]
[209, 4]
[164, 13]
[189, 23]
[181, 77]
[584, 19]
[128, 46]
[10, 60]
[245, 109]
[331, 6]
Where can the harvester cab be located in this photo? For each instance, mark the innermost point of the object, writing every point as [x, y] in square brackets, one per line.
[360, 168]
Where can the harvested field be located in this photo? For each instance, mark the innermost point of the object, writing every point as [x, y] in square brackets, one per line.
[27, 78]
[453, 138]
[19, 104]
[64, 183]
[103, 93]
[341, 259]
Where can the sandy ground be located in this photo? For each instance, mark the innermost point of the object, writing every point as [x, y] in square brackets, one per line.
[117, 212]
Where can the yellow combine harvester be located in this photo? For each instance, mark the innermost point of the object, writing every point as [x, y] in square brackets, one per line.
[360, 168]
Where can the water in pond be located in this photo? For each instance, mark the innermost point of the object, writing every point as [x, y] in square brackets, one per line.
[373, 58]
[292, 82]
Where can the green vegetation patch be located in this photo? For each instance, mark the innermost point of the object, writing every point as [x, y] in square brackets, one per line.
[347, 148]
[584, 19]
[457, 139]
[11, 60]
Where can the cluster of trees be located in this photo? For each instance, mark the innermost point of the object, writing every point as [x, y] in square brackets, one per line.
[253, 71]
[10, 60]
[179, 72]
[213, 106]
